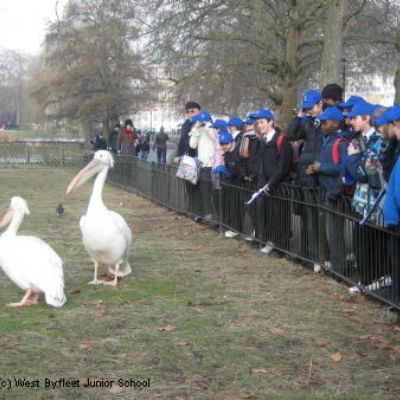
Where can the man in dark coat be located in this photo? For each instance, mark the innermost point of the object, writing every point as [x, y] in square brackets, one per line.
[304, 128]
[191, 109]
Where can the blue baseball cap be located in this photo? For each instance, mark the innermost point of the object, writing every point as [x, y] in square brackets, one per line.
[249, 120]
[361, 108]
[331, 113]
[219, 124]
[310, 98]
[225, 137]
[202, 116]
[388, 116]
[263, 113]
[235, 121]
[351, 102]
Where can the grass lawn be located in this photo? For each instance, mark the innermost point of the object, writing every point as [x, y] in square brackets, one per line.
[203, 317]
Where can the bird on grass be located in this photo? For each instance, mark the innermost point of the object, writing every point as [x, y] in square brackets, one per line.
[29, 261]
[59, 210]
[106, 236]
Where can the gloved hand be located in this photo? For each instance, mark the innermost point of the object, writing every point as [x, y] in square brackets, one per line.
[220, 169]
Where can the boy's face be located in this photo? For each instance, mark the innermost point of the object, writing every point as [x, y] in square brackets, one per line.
[227, 147]
[264, 126]
[329, 126]
[316, 110]
[232, 129]
[360, 122]
[396, 129]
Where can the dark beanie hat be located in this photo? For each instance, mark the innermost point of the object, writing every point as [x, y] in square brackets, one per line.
[332, 91]
[128, 122]
[192, 104]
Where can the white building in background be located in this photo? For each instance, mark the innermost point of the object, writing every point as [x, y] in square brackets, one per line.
[376, 90]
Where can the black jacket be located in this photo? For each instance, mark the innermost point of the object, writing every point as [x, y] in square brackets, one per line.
[274, 165]
[250, 166]
[304, 129]
[388, 156]
[233, 165]
[183, 145]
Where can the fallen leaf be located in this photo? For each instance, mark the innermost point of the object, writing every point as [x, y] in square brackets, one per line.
[322, 344]
[269, 372]
[183, 344]
[74, 291]
[145, 302]
[397, 329]
[349, 311]
[251, 347]
[85, 346]
[336, 358]
[249, 396]
[396, 350]
[168, 328]
[384, 345]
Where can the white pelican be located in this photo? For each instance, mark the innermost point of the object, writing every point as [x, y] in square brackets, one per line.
[30, 262]
[105, 234]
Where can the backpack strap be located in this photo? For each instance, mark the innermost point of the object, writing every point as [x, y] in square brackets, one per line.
[335, 149]
[279, 142]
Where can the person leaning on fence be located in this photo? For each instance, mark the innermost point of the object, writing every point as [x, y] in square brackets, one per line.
[361, 164]
[346, 107]
[202, 139]
[191, 110]
[391, 209]
[328, 169]
[235, 127]
[305, 127]
[229, 174]
[248, 154]
[126, 140]
[275, 159]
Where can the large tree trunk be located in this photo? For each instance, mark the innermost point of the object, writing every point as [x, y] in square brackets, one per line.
[397, 76]
[289, 86]
[333, 43]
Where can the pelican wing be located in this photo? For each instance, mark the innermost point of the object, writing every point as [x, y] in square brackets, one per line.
[30, 259]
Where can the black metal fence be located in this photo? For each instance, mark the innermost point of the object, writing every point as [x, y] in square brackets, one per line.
[295, 220]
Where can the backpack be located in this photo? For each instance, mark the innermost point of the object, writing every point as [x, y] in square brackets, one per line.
[346, 190]
[295, 148]
[244, 148]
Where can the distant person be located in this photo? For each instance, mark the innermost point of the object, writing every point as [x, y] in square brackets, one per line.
[126, 141]
[144, 143]
[161, 145]
[113, 139]
[99, 142]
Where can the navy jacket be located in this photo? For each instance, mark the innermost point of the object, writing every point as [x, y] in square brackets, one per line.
[330, 172]
[183, 145]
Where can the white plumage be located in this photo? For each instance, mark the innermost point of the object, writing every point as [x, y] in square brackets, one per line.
[30, 262]
[105, 234]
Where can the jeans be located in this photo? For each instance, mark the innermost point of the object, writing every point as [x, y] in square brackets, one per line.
[162, 156]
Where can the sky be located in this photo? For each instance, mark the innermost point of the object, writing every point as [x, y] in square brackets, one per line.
[23, 23]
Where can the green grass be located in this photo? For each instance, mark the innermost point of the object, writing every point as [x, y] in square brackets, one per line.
[202, 316]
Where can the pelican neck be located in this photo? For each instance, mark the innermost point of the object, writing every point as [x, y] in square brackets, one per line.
[96, 198]
[14, 225]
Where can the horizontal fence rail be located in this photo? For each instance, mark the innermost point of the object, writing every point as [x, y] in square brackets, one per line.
[295, 220]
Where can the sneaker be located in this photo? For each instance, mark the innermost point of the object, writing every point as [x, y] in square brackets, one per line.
[231, 234]
[327, 265]
[354, 290]
[317, 268]
[267, 249]
[251, 237]
[383, 281]
[208, 217]
[350, 257]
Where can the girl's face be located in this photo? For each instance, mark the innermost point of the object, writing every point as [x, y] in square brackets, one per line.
[227, 147]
